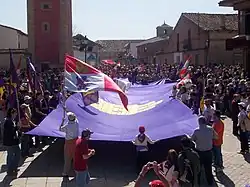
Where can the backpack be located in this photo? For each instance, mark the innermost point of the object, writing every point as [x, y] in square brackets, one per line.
[188, 175]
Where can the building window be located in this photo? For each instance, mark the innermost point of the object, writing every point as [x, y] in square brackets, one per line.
[46, 6]
[178, 42]
[45, 27]
[165, 31]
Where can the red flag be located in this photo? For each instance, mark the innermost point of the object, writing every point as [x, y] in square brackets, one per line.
[184, 69]
[81, 77]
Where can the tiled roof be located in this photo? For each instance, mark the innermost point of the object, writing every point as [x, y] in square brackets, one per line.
[214, 22]
[17, 30]
[115, 45]
[227, 2]
[151, 40]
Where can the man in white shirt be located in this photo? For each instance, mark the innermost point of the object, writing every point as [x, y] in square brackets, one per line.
[71, 129]
[208, 111]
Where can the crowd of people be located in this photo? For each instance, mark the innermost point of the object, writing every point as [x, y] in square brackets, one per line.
[212, 91]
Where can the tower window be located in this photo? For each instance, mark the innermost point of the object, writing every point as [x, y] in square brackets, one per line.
[165, 31]
[46, 27]
[46, 6]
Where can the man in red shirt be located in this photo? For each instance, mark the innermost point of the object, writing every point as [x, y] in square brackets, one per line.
[82, 154]
[218, 127]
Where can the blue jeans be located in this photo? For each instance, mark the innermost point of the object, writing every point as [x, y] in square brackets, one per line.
[13, 157]
[217, 156]
[82, 178]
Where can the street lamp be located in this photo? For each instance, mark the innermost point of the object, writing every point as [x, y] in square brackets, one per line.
[84, 46]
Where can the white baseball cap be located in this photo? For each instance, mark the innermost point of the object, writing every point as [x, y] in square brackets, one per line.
[27, 98]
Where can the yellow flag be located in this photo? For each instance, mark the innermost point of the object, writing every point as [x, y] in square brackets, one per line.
[202, 104]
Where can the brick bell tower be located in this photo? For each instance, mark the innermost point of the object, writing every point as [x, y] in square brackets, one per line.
[49, 31]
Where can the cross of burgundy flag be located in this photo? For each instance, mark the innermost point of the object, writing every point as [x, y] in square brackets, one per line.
[81, 77]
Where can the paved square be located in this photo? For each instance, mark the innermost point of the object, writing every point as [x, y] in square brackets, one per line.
[44, 169]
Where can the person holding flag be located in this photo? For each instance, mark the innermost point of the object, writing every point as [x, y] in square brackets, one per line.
[81, 77]
[71, 130]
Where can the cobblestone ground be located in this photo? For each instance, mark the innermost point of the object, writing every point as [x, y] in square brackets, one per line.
[43, 170]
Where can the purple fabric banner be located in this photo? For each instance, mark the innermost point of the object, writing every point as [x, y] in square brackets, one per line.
[148, 105]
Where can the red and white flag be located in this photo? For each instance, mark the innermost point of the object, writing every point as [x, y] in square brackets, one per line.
[81, 77]
[184, 80]
[18, 67]
[184, 69]
[108, 62]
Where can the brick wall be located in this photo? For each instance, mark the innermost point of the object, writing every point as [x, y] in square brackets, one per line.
[198, 41]
[217, 50]
[200, 53]
[147, 52]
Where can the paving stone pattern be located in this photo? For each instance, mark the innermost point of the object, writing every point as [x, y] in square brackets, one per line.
[44, 169]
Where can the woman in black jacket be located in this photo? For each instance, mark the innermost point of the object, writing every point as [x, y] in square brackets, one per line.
[11, 141]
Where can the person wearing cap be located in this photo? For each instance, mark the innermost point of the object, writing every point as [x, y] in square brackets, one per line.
[141, 142]
[243, 124]
[218, 127]
[203, 137]
[27, 100]
[155, 183]
[82, 154]
[71, 130]
[25, 125]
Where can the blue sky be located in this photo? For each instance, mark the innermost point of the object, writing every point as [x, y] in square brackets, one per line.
[116, 19]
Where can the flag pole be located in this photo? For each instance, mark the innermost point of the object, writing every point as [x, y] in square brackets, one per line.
[64, 92]
[18, 105]
[14, 83]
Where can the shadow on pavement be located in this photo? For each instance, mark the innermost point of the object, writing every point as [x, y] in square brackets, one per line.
[4, 166]
[224, 179]
[113, 164]
[6, 181]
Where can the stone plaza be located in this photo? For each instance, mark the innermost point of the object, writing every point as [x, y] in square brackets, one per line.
[44, 169]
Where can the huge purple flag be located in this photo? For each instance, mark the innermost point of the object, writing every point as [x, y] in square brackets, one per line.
[149, 105]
